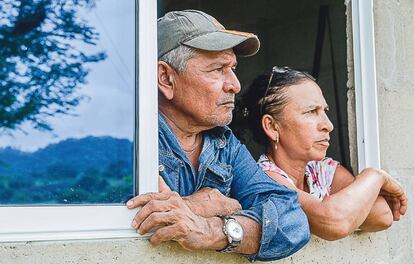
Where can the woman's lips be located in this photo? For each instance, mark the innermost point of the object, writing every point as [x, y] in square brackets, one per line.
[323, 142]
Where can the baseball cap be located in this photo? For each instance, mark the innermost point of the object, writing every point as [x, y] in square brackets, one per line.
[199, 30]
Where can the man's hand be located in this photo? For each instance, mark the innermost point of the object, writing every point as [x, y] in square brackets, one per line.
[172, 219]
[206, 202]
[162, 186]
[209, 202]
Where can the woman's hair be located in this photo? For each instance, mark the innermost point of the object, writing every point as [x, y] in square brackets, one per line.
[263, 98]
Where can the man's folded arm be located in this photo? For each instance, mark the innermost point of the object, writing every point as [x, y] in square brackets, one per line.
[284, 226]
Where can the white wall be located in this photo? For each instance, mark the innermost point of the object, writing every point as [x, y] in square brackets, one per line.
[394, 28]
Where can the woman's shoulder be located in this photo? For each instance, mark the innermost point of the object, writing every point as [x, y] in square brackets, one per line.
[268, 165]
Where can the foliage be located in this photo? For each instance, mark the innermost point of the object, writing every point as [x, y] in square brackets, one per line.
[42, 59]
[62, 177]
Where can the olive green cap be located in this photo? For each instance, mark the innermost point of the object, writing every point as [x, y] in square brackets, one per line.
[199, 30]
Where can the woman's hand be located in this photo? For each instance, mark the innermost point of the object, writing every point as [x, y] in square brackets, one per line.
[395, 205]
[394, 194]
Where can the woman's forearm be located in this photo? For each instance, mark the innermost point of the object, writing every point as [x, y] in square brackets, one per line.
[379, 218]
[353, 203]
[344, 211]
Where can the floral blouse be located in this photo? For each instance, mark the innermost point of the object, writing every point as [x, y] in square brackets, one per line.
[318, 174]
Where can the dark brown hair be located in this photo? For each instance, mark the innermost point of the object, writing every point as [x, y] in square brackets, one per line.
[264, 97]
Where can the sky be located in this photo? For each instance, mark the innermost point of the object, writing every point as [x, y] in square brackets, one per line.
[109, 111]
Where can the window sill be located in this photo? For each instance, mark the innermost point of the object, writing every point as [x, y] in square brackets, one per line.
[43, 223]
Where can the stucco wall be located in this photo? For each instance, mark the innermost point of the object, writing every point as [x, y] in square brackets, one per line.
[394, 25]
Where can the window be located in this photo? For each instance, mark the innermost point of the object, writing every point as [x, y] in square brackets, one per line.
[69, 94]
[311, 36]
[365, 84]
[77, 152]
[69, 220]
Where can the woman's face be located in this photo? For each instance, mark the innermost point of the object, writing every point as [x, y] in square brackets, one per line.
[305, 127]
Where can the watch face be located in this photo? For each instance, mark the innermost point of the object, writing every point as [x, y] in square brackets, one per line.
[235, 230]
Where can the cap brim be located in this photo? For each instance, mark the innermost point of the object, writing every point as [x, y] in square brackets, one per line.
[243, 44]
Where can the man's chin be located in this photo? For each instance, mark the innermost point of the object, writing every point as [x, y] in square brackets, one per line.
[222, 120]
[226, 121]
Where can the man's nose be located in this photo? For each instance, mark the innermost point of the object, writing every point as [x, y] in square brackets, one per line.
[231, 83]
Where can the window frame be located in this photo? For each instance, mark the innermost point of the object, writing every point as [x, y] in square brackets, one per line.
[40, 223]
[365, 82]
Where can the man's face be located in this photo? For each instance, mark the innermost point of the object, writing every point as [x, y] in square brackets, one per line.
[204, 92]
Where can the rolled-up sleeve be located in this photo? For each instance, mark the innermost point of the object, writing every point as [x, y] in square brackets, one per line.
[285, 228]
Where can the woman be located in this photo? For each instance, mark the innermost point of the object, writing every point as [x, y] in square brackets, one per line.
[286, 112]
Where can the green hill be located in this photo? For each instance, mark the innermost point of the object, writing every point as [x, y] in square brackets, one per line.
[72, 171]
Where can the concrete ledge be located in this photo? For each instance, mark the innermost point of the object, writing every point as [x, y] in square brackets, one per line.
[358, 248]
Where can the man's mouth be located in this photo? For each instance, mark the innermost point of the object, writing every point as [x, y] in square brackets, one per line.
[228, 104]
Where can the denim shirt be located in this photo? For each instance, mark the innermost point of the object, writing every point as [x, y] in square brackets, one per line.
[227, 165]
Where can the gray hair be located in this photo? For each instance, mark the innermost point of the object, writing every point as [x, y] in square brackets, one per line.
[178, 57]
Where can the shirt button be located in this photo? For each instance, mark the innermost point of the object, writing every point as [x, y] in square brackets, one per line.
[161, 168]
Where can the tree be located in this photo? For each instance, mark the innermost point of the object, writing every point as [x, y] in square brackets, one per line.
[42, 59]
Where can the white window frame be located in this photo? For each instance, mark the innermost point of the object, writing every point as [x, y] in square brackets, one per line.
[365, 84]
[39, 223]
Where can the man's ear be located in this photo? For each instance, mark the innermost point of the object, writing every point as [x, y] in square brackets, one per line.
[270, 127]
[166, 80]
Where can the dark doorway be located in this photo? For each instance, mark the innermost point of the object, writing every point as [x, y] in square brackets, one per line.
[306, 35]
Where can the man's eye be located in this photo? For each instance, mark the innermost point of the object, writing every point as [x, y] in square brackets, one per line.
[312, 111]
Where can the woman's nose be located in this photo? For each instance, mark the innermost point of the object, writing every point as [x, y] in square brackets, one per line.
[326, 123]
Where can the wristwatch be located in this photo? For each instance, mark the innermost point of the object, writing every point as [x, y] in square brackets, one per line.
[234, 232]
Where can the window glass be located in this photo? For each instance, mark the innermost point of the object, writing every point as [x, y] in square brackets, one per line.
[67, 101]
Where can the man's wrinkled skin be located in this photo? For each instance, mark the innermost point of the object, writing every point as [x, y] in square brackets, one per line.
[192, 221]
[187, 213]
[207, 202]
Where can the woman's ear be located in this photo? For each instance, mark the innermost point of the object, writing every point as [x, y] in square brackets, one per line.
[270, 127]
[166, 80]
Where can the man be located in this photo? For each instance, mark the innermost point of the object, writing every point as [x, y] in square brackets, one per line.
[201, 159]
